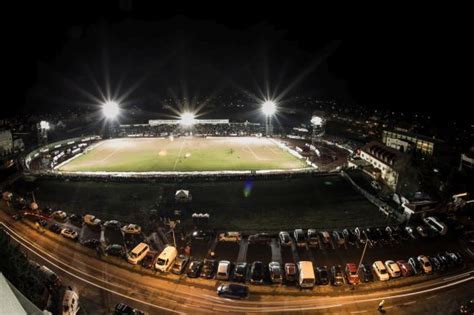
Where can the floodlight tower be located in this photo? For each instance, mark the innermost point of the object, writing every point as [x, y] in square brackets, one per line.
[110, 110]
[42, 128]
[318, 123]
[269, 109]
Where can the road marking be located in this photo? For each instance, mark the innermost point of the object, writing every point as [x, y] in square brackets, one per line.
[388, 307]
[459, 276]
[408, 303]
[358, 312]
[433, 296]
[89, 282]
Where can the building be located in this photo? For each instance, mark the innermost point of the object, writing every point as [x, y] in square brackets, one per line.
[386, 161]
[404, 141]
[6, 142]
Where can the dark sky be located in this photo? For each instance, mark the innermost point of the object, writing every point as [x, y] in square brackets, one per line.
[58, 55]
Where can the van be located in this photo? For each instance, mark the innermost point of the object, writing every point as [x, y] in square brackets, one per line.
[166, 259]
[436, 225]
[138, 253]
[306, 277]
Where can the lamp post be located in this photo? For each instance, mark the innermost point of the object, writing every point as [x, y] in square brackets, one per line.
[110, 110]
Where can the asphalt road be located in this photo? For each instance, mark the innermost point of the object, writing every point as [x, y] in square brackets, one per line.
[103, 281]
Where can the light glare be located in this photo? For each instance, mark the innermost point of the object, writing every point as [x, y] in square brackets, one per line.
[187, 119]
[269, 108]
[110, 110]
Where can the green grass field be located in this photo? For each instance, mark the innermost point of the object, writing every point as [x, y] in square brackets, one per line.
[184, 154]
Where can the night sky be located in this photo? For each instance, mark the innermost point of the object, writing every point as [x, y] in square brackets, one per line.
[58, 59]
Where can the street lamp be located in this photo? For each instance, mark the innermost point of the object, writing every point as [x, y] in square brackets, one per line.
[43, 127]
[269, 109]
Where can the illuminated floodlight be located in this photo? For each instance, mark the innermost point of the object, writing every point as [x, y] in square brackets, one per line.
[269, 108]
[187, 119]
[44, 125]
[316, 121]
[110, 109]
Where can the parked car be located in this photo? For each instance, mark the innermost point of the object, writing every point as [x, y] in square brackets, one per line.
[422, 231]
[380, 271]
[392, 269]
[351, 274]
[149, 261]
[415, 265]
[208, 268]
[55, 228]
[284, 237]
[350, 236]
[194, 269]
[257, 272]
[291, 273]
[224, 269]
[260, 238]
[179, 264]
[326, 238]
[425, 264]
[91, 243]
[410, 232]
[240, 272]
[322, 275]
[313, 239]
[337, 277]
[132, 229]
[76, 219]
[467, 308]
[200, 235]
[232, 290]
[455, 257]
[299, 238]
[115, 250]
[61, 215]
[443, 261]
[338, 238]
[366, 273]
[230, 237]
[406, 269]
[435, 263]
[68, 233]
[276, 274]
[113, 224]
[92, 220]
[70, 305]
[125, 309]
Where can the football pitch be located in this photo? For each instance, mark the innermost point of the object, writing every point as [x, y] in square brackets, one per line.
[184, 154]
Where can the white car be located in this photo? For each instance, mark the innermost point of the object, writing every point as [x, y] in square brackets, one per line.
[380, 271]
[132, 229]
[70, 303]
[425, 264]
[59, 215]
[91, 220]
[68, 233]
[230, 237]
[392, 268]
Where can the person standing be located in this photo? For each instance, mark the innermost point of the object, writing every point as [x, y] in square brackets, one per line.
[380, 308]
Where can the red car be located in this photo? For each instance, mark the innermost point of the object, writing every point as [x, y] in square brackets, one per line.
[405, 268]
[351, 273]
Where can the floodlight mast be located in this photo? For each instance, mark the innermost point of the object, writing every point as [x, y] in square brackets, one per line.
[111, 111]
[269, 109]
